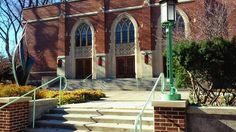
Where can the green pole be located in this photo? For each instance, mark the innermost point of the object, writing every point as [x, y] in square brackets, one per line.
[170, 24]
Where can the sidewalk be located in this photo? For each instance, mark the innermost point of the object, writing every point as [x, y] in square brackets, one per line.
[122, 99]
[136, 95]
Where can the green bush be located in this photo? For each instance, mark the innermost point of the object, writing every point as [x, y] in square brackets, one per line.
[68, 97]
[11, 90]
[76, 96]
[208, 67]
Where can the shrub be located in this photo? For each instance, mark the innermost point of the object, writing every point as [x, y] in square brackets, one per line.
[11, 90]
[209, 68]
[68, 97]
[76, 96]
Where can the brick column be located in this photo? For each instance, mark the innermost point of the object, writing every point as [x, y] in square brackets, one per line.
[14, 118]
[170, 116]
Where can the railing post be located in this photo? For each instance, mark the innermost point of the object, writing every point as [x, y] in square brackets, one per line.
[140, 123]
[60, 92]
[33, 125]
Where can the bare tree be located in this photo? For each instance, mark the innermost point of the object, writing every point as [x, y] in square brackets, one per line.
[212, 21]
[11, 19]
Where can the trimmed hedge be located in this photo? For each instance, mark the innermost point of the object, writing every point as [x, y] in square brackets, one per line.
[68, 97]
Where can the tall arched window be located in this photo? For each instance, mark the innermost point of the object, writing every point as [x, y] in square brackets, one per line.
[179, 26]
[83, 35]
[124, 31]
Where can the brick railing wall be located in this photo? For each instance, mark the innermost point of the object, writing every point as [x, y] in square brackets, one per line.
[170, 119]
[170, 116]
[14, 118]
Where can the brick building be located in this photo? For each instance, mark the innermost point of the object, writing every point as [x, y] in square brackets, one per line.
[104, 38]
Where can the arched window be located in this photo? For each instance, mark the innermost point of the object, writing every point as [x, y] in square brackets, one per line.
[83, 35]
[179, 26]
[124, 31]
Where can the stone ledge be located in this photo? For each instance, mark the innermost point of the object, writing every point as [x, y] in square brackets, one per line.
[41, 102]
[170, 104]
[9, 99]
[211, 110]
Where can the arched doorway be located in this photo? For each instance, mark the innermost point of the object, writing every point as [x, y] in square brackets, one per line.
[125, 61]
[81, 61]
[83, 45]
[124, 48]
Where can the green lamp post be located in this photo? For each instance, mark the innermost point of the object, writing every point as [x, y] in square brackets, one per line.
[168, 17]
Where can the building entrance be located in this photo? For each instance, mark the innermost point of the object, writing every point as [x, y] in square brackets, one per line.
[125, 67]
[83, 68]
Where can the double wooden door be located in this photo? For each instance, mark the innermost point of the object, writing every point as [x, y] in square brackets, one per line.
[125, 67]
[83, 68]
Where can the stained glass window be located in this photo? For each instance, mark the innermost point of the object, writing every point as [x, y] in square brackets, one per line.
[124, 31]
[83, 35]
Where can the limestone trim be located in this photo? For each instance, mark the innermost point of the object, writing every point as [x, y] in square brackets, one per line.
[187, 29]
[70, 60]
[170, 104]
[83, 52]
[10, 99]
[83, 14]
[124, 49]
[96, 12]
[41, 20]
[44, 72]
[111, 70]
[125, 9]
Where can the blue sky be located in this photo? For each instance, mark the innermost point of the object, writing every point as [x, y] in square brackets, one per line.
[12, 43]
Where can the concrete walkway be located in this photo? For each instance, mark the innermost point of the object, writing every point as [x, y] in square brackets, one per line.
[135, 95]
[122, 99]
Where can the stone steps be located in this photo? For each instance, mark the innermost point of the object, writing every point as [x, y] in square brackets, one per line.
[54, 130]
[90, 126]
[69, 119]
[114, 84]
[121, 112]
[117, 119]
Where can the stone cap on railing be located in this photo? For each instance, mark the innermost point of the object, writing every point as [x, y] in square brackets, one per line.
[9, 99]
[172, 103]
[212, 110]
[42, 102]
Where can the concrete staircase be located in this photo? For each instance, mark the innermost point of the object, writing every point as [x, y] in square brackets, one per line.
[82, 119]
[130, 84]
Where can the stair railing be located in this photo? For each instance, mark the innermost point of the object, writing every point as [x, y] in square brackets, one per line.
[138, 121]
[85, 80]
[61, 79]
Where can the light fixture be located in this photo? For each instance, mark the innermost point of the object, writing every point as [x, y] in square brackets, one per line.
[168, 10]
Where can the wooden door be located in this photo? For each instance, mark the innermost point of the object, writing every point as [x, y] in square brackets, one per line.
[83, 68]
[125, 67]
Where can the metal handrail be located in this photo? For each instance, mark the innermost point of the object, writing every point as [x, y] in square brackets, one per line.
[34, 98]
[84, 80]
[138, 120]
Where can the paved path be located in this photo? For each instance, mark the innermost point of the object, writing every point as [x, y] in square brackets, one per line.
[122, 99]
[135, 95]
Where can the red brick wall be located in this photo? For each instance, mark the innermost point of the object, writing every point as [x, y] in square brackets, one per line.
[42, 39]
[84, 6]
[170, 119]
[42, 12]
[14, 118]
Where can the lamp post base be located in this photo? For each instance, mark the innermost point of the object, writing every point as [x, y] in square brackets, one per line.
[169, 96]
